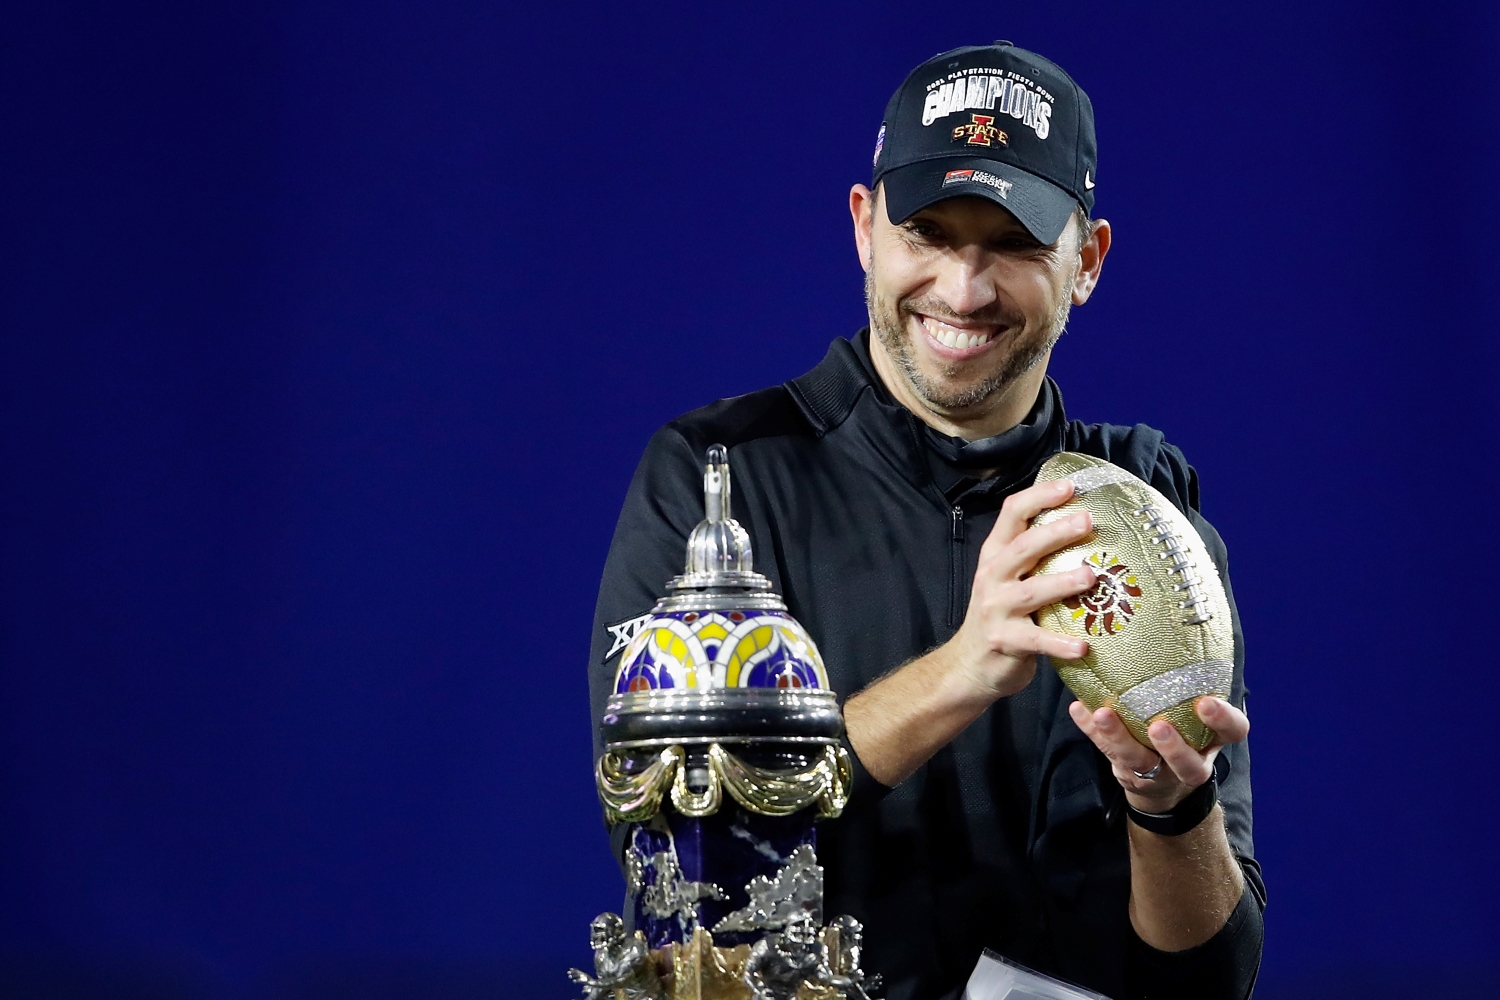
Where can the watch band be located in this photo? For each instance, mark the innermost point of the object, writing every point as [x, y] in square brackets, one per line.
[1184, 816]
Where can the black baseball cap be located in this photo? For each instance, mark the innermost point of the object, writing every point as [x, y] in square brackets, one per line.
[995, 121]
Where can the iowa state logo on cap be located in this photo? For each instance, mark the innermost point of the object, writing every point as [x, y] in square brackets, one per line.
[981, 132]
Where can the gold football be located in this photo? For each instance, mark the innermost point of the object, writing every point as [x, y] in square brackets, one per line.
[1157, 621]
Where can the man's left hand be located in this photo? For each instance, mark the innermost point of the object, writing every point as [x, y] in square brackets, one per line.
[1182, 768]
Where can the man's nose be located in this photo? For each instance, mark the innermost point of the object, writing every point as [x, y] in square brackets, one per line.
[964, 282]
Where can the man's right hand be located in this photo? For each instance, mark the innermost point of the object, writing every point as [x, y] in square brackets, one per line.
[996, 647]
[901, 720]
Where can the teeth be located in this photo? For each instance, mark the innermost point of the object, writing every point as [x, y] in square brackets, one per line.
[956, 339]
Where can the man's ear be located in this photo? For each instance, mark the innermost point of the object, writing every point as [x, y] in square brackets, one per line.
[862, 209]
[1091, 261]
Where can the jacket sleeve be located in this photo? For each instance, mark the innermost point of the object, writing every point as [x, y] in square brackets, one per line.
[1226, 965]
[664, 502]
[1223, 966]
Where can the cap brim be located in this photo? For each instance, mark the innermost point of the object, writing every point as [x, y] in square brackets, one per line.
[1039, 205]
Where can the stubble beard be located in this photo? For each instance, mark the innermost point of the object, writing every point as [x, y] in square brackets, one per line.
[888, 321]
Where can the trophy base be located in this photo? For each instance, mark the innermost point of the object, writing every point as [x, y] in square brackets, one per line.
[800, 963]
[698, 970]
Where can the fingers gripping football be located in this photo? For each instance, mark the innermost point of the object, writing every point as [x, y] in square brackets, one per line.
[998, 640]
[1182, 767]
[1023, 546]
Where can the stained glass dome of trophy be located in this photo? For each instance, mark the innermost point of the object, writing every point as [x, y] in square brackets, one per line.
[722, 748]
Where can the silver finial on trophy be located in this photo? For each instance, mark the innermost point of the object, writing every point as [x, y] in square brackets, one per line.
[718, 550]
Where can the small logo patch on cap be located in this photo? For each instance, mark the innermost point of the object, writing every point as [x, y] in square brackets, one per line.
[981, 132]
[1000, 184]
[879, 142]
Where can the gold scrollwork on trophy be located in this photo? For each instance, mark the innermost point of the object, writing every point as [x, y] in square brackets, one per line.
[633, 797]
[781, 793]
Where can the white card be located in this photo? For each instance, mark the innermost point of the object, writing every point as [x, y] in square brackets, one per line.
[998, 978]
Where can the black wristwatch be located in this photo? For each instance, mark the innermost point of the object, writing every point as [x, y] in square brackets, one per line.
[1184, 816]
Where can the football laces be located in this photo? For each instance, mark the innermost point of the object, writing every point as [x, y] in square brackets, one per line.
[1181, 566]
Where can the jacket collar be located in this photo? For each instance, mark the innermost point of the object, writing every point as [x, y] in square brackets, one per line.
[828, 394]
[844, 387]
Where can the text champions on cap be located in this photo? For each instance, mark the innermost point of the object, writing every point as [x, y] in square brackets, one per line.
[998, 90]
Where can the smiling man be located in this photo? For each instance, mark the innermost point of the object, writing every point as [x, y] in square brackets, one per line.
[888, 495]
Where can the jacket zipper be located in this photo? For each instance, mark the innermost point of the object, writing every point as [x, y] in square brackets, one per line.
[956, 566]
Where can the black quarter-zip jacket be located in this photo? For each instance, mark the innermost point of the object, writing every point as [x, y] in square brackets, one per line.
[869, 524]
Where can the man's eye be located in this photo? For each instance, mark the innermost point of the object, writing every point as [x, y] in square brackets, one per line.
[924, 231]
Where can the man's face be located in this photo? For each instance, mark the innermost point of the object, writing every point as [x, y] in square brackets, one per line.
[965, 302]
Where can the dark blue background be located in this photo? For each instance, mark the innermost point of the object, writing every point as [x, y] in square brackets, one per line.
[332, 333]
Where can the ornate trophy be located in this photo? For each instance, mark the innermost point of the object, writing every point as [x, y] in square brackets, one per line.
[721, 751]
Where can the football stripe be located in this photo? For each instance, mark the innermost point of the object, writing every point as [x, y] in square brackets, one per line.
[1096, 476]
[1175, 686]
